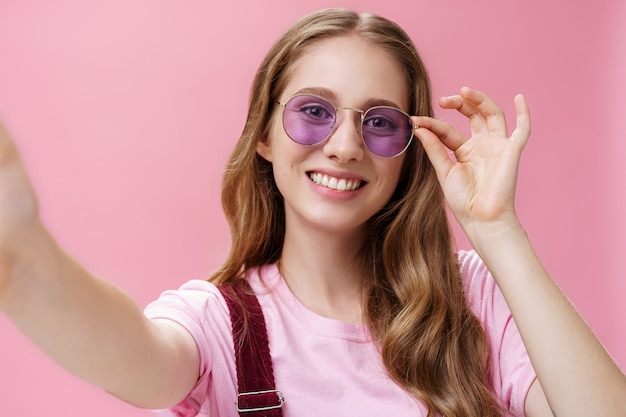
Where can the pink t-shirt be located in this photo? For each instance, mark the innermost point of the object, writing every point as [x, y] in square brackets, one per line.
[325, 365]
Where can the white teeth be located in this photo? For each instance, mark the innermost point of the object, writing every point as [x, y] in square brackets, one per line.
[334, 183]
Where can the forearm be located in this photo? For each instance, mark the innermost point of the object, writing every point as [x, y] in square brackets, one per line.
[86, 324]
[578, 376]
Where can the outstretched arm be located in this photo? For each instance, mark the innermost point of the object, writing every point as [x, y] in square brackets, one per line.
[574, 371]
[86, 324]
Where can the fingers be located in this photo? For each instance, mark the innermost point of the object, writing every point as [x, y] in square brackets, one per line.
[448, 135]
[431, 133]
[7, 147]
[484, 115]
[485, 118]
[522, 122]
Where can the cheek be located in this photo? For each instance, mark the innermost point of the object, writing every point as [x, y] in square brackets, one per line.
[393, 170]
[392, 175]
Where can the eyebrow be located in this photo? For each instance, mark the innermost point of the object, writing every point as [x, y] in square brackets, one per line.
[332, 97]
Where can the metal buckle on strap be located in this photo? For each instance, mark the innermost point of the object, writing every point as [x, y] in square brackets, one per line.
[279, 395]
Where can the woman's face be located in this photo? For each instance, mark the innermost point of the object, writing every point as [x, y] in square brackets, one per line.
[338, 184]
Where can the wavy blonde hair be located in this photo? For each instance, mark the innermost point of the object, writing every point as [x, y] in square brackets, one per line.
[430, 342]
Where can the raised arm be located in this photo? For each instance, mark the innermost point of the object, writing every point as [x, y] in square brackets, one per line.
[577, 375]
[86, 324]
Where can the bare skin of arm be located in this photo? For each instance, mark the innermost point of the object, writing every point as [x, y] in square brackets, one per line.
[83, 322]
[575, 373]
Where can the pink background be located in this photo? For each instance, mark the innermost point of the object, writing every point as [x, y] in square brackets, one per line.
[126, 110]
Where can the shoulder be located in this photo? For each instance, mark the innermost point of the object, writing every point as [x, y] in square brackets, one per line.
[482, 294]
[479, 286]
[511, 370]
[198, 306]
[471, 266]
[194, 294]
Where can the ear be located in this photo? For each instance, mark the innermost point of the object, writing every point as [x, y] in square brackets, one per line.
[264, 148]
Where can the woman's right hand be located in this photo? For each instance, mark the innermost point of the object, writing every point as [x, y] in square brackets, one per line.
[19, 213]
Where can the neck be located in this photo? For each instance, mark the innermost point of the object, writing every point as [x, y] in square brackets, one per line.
[324, 271]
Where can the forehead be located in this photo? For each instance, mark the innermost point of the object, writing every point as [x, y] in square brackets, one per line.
[357, 71]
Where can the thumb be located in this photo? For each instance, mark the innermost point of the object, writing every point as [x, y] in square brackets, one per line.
[436, 151]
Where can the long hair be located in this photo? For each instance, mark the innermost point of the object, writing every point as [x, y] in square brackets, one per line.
[431, 344]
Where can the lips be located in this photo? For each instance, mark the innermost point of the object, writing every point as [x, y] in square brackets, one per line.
[340, 184]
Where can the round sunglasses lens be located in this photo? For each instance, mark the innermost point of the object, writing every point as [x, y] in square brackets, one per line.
[387, 132]
[308, 120]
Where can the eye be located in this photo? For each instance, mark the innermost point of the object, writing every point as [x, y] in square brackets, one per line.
[316, 111]
[311, 109]
[386, 121]
[379, 123]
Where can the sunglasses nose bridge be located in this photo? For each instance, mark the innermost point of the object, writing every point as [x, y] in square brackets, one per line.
[361, 112]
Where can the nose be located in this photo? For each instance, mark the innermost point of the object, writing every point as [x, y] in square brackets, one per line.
[345, 143]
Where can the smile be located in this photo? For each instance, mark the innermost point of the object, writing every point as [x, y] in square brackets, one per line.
[340, 184]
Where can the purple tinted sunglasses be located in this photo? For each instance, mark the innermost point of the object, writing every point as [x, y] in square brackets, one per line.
[310, 120]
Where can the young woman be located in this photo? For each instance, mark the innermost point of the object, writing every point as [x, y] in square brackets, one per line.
[335, 197]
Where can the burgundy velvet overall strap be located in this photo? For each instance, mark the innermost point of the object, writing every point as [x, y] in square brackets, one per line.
[258, 396]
